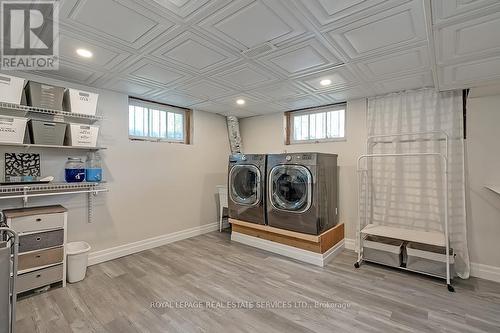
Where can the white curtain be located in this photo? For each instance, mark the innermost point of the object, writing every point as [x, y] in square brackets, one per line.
[408, 192]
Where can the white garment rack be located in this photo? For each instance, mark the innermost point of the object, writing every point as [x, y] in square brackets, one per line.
[420, 236]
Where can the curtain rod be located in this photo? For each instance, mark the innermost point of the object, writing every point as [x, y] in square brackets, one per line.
[319, 107]
[160, 103]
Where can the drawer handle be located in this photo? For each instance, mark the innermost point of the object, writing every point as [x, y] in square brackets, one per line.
[38, 239]
[38, 256]
[39, 220]
[38, 275]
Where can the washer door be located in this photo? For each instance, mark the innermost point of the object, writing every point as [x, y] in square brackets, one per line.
[290, 188]
[245, 186]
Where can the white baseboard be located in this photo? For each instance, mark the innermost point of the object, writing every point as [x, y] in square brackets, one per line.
[317, 259]
[350, 244]
[146, 244]
[481, 271]
[486, 272]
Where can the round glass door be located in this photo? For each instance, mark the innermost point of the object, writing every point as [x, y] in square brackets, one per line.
[290, 188]
[245, 184]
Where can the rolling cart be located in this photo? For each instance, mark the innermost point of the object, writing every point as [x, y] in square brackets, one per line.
[9, 245]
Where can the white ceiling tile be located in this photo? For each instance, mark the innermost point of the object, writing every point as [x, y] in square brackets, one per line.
[279, 91]
[414, 60]
[127, 24]
[102, 56]
[469, 74]
[244, 77]
[392, 29]
[348, 94]
[248, 23]
[470, 39]
[129, 87]
[413, 81]
[177, 98]
[122, 21]
[206, 89]
[446, 9]
[324, 12]
[182, 8]
[194, 52]
[340, 77]
[300, 58]
[156, 73]
[302, 102]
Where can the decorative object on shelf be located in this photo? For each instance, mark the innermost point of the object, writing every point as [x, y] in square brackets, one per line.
[12, 129]
[74, 170]
[93, 168]
[80, 101]
[22, 166]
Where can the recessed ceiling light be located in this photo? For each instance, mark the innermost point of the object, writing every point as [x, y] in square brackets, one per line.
[240, 102]
[325, 82]
[84, 53]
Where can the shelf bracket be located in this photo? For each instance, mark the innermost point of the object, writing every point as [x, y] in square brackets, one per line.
[25, 196]
[90, 206]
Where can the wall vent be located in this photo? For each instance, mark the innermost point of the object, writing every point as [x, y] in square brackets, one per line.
[259, 50]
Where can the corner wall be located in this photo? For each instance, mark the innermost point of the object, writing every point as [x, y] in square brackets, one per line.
[155, 189]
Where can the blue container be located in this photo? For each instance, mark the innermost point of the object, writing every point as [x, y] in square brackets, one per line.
[93, 174]
[74, 170]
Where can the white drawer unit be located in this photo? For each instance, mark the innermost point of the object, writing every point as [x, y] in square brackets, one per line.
[39, 278]
[38, 222]
[42, 241]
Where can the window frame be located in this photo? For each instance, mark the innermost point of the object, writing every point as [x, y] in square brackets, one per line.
[151, 105]
[289, 123]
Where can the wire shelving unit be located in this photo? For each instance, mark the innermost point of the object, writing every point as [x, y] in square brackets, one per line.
[366, 227]
[23, 110]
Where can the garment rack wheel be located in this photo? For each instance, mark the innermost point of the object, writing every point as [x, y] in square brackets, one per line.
[450, 288]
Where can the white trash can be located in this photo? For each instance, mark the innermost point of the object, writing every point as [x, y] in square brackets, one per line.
[78, 258]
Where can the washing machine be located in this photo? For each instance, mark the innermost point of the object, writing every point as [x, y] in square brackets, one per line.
[246, 184]
[302, 192]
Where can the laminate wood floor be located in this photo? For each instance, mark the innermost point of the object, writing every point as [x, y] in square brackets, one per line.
[208, 284]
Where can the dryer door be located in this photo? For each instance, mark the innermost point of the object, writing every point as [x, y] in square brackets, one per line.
[245, 187]
[290, 188]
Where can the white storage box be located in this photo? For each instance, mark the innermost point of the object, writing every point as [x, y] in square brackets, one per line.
[11, 89]
[428, 259]
[80, 101]
[82, 135]
[12, 129]
[383, 250]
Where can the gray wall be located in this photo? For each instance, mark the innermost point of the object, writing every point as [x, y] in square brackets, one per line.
[483, 168]
[155, 188]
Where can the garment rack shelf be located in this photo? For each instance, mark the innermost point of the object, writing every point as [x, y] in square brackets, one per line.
[367, 227]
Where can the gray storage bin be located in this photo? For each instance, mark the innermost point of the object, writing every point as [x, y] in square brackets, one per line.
[47, 132]
[39, 278]
[429, 259]
[383, 250]
[41, 240]
[44, 95]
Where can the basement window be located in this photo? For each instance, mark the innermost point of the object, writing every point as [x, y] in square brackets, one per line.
[316, 125]
[150, 121]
